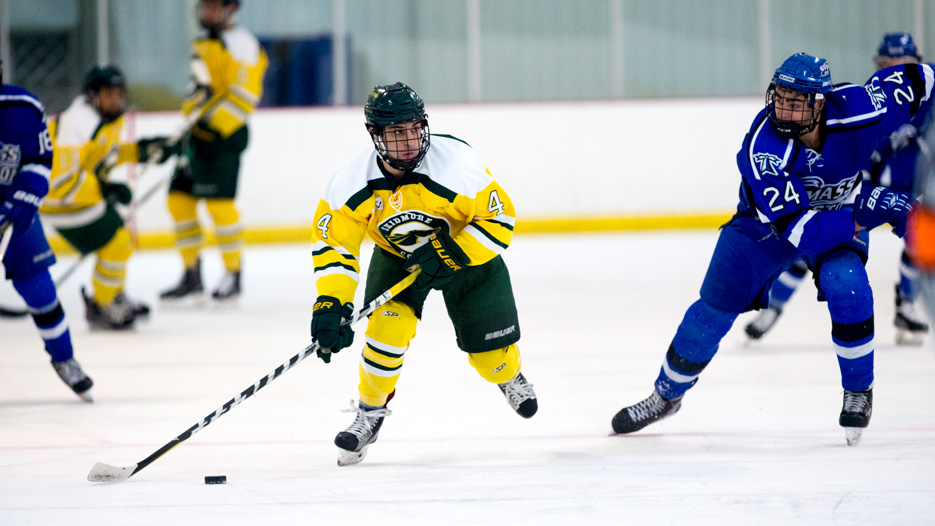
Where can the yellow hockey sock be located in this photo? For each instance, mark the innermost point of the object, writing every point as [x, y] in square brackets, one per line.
[389, 332]
[497, 366]
[228, 230]
[188, 236]
[110, 271]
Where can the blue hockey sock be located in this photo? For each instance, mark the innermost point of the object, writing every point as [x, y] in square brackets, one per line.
[907, 277]
[850, 301]
[695, 343]
[786, 284]
[38, 291]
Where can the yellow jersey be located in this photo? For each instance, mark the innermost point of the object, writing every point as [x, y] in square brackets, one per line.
[85, 148]
[451, 190]
[227, 72]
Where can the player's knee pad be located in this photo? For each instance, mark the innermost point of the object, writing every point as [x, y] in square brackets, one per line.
[223, 211]
[37, 289]
[497, 366]
[845, 285]
[118, 249]
[182, 206]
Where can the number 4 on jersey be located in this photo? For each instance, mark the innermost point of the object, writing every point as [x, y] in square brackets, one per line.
[323, 225]
[494, 204]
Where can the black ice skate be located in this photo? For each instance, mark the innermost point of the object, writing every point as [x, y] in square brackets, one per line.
[520, 396]
[190, 287]
[638, 416]
[114, 317]
[229, 288]
[353, 442]
[70, 372]
[855, 414]
[910, 326]
[763, 323]
[140, 309]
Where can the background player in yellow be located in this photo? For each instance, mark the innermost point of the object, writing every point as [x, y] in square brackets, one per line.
[82, 198]
[436, 208]
[227, 73]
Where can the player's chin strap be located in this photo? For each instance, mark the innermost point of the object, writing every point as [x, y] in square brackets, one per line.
[106, 473]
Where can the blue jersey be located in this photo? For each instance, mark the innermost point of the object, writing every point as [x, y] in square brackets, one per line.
[802, 192]
[25, 145]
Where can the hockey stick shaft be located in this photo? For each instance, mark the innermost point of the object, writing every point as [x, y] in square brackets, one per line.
[106, 473]
[6, 233]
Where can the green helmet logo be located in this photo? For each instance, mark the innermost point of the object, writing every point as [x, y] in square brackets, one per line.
[396, 104]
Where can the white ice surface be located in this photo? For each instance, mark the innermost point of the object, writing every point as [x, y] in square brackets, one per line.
[756, 442]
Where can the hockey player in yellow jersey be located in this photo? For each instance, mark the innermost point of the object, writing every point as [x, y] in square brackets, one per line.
[427, 202]
[227, 73]
[81, 203]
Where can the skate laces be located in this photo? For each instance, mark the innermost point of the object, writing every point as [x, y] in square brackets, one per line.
[518, 390]
[854, 402]
[652, 406]
[69, 371]
[366, 418]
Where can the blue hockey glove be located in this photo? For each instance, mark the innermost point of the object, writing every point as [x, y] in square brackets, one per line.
[20, 208]
[327, 330]
[877, 205]
[440, 259]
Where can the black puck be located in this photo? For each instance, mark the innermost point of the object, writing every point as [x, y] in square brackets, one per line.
[220, 479]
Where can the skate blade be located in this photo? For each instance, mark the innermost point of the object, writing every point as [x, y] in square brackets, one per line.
[347, 458]
[904, 337]
[225, 303]
[86, 396]
[190, 302]
[852, 434]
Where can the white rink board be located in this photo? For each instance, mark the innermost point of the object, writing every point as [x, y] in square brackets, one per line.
[756, 442]
[583, 159]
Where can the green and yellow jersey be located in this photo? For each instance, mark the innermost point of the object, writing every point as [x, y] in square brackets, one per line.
[227, 72]
[84, 148]
[451, 190]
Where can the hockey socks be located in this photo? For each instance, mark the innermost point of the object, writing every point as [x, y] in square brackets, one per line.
[38, 291]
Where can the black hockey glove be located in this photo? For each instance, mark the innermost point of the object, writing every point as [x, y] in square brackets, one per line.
[327, 330]
[440, 259]
[157, 149]
[116, 193]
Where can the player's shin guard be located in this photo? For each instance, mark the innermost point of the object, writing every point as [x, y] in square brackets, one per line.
[228, 230]
[110, 271]
[389, 332]
[845, 285]
[188, 235]
[693, 347]
[38, 291]
[497, 366]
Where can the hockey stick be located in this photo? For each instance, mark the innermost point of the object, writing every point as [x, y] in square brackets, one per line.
[106, 473]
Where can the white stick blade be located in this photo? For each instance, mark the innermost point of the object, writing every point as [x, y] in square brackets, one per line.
[106, 473]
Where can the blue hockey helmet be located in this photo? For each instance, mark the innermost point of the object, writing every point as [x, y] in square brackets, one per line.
[898, 45]
[805, 74]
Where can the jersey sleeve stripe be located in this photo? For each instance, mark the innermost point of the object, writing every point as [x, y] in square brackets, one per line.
[359, 198]
[505, 221]
[874, 115]
[485, 238]
[15, 100]
[38, 169]
[795, 237]
[320, 248]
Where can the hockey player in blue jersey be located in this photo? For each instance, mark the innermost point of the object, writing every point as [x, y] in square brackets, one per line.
[894, 167]
[800, 195]
[25, 165]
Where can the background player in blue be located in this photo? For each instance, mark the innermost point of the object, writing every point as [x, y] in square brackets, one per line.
[894, 171]
[25, 165]
[801, 194]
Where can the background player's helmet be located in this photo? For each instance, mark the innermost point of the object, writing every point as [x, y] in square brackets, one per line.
[898, 45]
[104, 77]
[210, 26]
[801, 73]
[394, 104]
